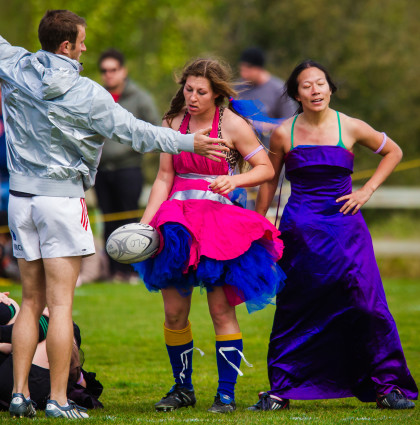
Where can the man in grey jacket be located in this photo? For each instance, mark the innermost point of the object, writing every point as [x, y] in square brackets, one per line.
[54, 121]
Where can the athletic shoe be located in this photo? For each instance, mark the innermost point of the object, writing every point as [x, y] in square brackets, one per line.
[270, 402]
[177, 397]
[226, 406]
[394, 400]
[72, 411]
[21, 408]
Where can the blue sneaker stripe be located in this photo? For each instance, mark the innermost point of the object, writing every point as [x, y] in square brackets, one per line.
[72, 411]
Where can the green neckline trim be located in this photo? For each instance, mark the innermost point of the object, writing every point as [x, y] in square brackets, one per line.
[340, 141]
[293, 129]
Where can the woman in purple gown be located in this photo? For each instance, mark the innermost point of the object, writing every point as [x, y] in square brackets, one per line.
[333, 335]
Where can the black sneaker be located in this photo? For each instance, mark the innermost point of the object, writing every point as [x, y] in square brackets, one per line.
[270, 402]
[177, 397]
[394, 400]
[72, 411]
[21, 408]
[219, 406]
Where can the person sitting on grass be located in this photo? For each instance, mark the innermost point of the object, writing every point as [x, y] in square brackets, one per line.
[82, 388]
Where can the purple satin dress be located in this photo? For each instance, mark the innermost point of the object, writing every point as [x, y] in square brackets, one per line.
[333, 335]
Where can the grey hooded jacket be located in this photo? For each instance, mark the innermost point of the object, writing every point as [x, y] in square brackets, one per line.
[55, 121]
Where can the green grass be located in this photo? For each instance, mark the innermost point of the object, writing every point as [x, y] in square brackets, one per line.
[123, 343]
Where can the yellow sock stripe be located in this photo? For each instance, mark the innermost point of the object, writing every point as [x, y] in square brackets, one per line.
[230, 337]
[178, 337]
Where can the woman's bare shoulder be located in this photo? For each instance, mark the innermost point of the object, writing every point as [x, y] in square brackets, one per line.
[235, 127]
[284, 129]
[280, 137]
[230, 118]
[355, 127]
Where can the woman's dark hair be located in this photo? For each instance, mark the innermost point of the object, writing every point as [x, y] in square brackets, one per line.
[57, 26]
[76, 363]
[77, 356]
[292, 82]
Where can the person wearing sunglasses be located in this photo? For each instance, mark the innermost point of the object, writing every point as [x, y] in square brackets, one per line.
[119, 181]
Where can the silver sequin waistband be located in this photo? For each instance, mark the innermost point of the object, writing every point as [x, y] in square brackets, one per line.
[195, 176]
[185, 195]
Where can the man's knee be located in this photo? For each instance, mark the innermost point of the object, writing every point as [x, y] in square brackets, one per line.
[60, 307]
[33, 304]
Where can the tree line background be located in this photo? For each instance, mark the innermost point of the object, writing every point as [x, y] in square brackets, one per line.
[371, 48]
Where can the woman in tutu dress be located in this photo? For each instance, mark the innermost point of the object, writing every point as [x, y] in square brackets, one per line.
[206, 240]
[333, 335]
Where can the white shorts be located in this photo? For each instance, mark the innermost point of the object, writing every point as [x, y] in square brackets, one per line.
[49, 227]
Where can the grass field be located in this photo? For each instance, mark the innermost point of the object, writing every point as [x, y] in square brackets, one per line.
[123, 343]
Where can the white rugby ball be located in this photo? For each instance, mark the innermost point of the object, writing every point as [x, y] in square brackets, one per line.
[132, 243]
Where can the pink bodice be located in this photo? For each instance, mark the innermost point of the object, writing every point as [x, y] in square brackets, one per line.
[187, 162]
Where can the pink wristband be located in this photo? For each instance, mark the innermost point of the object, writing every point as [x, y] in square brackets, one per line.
[382, 145]
[250, 155]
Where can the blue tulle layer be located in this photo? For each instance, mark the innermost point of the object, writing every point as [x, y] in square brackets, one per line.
[255, 111]
[254, 275]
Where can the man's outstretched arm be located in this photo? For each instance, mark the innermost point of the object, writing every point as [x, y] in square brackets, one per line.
[114, 122]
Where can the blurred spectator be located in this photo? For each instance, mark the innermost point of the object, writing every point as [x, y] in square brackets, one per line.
[4, 174]
[8, 263]
[119, 181]
[258, 84]
[95, 267]
[83, 388]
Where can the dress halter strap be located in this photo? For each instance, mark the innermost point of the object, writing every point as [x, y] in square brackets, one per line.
[293, 129]
[340, 140]
[183, 128]
[214, 133]
[185, 123]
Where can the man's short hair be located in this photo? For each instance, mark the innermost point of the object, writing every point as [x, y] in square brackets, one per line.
[253, 56]
[57, 26]
[113, 54]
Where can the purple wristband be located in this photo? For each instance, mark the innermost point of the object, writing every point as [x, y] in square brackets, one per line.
[80, 379]
[382, 145]
[250, 155]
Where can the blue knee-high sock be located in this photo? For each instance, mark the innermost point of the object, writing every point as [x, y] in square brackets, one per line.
[227, 374]
[179, 344]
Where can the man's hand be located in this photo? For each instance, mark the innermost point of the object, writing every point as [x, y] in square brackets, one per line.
[205, 146]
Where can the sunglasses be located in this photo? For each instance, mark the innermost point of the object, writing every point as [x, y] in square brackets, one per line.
[110, 70]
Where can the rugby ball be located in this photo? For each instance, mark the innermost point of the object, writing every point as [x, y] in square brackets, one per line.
[132, 243]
